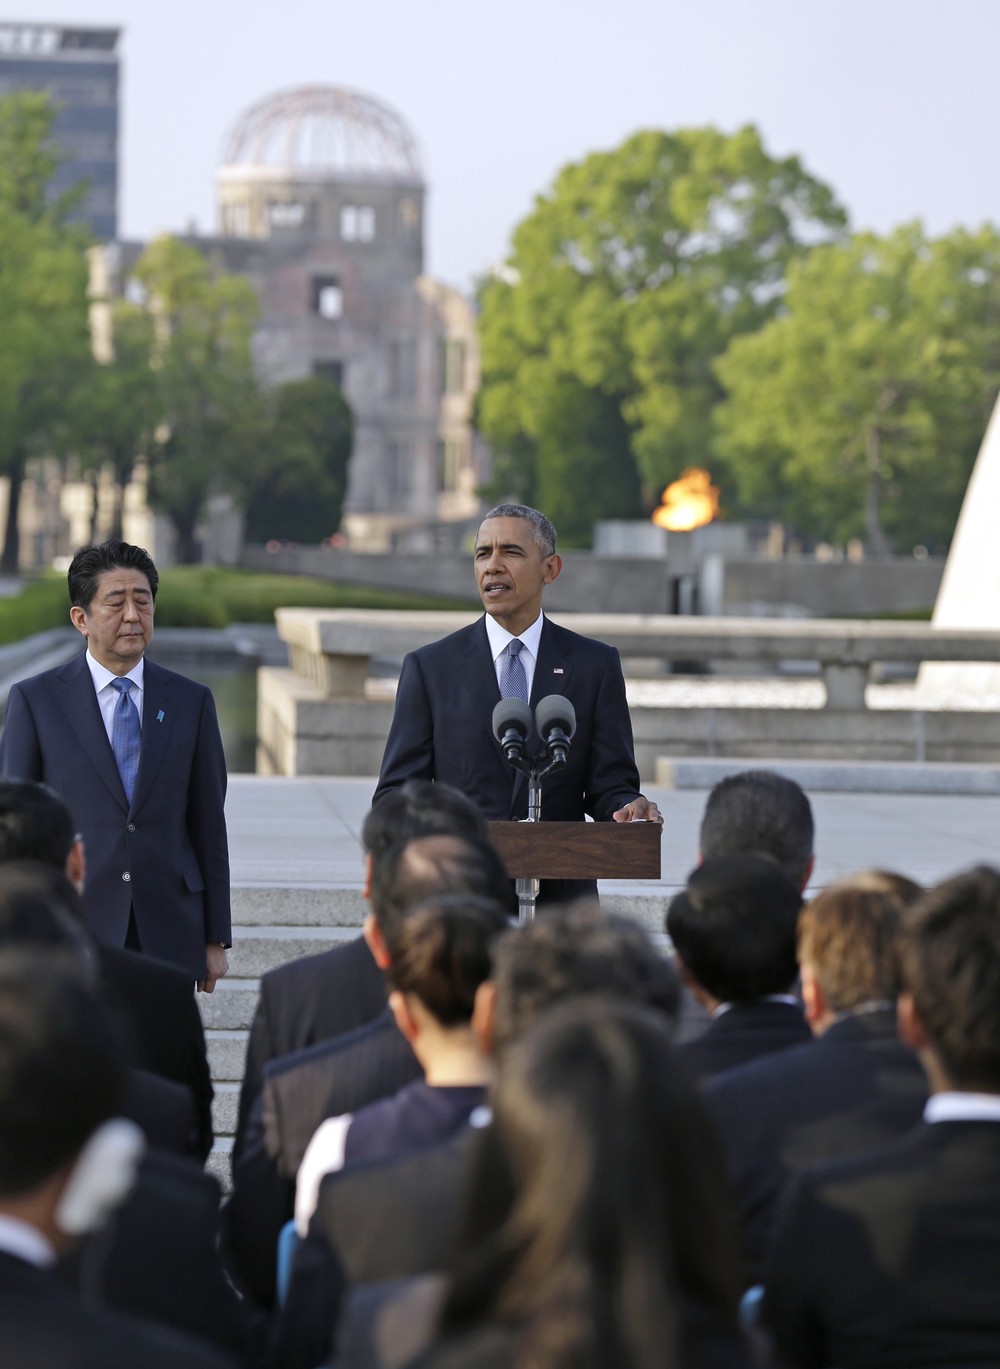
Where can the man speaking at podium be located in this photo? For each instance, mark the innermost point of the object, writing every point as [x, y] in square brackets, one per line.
[442, 725]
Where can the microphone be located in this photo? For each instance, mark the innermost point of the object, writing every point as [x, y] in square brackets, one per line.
[511, 726]
[555, 719]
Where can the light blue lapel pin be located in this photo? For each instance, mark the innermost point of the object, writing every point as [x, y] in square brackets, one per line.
[159, 716]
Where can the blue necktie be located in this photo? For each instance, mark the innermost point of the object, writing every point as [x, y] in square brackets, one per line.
[513, 681]
[126, 736]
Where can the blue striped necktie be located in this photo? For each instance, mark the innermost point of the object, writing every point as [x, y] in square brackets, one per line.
[126, 736]
[513, 681]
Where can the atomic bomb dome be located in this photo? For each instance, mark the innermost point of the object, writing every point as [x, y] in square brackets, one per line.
[326, 130]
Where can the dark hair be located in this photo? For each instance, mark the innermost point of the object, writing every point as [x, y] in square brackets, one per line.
[734, 927]
[425, 867]
[441, 953]
[950, 954]
[569, 952]
[596, 1196]
[849, 937]
[39, 908]
[91, 562]
[35, 824]
[419, 808]
[60, 1073]
[542, 530]
[758, 810]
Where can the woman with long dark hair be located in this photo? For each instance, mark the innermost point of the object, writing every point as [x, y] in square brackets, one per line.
[598, 1233]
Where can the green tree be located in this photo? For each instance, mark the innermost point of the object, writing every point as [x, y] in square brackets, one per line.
[116, 408]
[624, 284]
[208, 394]
[858, 412]
[300, 476]
[44, 337]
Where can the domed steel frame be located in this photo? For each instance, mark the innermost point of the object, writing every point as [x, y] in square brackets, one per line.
[325, 128]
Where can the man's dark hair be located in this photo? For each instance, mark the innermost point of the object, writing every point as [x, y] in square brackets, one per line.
[419, 808]
[734, 927]
[40, 907]
[950, 962]
[426, 867]
[441, 953]
[542, 529]
[91, 562]
[35, 824]
[60, 1072]
[758, 810]
[570, 952]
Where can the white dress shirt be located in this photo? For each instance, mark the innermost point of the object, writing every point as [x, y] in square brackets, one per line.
[107, 698]
[962, 1107]
[25, 1242]
[500, 639]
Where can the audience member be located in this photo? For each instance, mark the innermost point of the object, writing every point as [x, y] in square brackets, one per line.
[153, 1000]
[854, 1084]
[346, 1073]
[763, 812]
[438, 957]
[318, 997]
[65, 1161]
[597, 1230]
[733, 932]
[890, 1258]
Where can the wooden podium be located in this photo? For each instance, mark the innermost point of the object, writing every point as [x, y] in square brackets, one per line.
[578, 850]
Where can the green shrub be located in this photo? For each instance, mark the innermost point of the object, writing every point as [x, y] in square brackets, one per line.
[41, 604]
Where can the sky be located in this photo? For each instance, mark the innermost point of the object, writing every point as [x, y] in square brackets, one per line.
[894, 103]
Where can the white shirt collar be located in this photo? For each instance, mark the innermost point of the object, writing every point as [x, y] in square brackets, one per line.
[102, 676]
[962, 1107]
[25, 1242]
[499, 636]
[767, 998]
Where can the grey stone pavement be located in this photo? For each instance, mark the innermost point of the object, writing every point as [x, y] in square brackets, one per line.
[305, 833]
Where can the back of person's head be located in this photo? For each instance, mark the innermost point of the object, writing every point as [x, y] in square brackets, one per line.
[35, 824]
[596, 1195]
[950, 964]
[758, 810]
[849, 938]
[60, 1074]
[40, 908]
[734, 927]
[90, 563]
[419, 808]
[571, 952]
[425, 867]
[441, 953]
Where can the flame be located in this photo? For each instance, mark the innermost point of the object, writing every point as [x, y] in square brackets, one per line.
[690, 502]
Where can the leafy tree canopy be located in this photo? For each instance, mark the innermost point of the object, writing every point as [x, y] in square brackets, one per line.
[624, 284]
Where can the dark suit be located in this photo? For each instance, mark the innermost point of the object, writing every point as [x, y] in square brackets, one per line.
[742, 1033]
[299, 1092]
[441, 730]
[163, 1110]
[44, 1325]
[304, 1002]
[774, 1115]
[891, 1258]
[165, 855]
[155, 1003]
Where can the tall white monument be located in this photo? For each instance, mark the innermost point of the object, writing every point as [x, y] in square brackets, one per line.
[969, 596]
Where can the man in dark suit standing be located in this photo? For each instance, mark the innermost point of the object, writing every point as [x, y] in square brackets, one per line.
[891, 1258]
[134, 751]
[441, 728]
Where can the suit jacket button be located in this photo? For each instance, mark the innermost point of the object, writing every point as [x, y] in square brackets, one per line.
[130, 827]
[126, 876]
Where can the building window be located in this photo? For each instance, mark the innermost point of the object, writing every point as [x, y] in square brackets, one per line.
[453, 367]
[397, 475]
[451, 462]
[330, 370]
[286, 213]
[327, 297]
[357, 223]
[402, 370]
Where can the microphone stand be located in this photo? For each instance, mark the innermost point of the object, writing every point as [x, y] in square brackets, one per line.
[536, 768]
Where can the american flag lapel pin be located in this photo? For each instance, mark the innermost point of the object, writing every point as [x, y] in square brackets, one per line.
[557, 670]
[159, 716]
